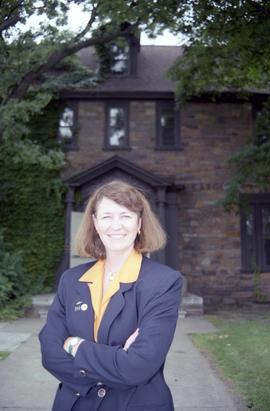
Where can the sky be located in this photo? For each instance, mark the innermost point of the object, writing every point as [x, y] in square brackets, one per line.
[77, 18]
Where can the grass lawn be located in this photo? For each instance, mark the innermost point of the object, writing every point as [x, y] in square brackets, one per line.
[3, 355]
[241, 349]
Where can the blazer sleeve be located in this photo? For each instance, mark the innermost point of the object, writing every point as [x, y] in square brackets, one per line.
[116, 367]
[54, 357]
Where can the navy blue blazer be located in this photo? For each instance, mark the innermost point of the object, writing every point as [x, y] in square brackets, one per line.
[103, 376]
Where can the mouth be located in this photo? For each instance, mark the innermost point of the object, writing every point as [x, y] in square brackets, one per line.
[116, 235]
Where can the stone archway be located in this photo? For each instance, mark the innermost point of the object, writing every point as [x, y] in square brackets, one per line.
[160, 192]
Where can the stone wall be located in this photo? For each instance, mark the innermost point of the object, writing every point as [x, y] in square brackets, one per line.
[209, 239]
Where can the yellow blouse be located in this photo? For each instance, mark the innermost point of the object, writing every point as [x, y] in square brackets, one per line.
[94, 276]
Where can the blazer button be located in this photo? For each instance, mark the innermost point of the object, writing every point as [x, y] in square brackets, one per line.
[78, 394]
[101, 392]
[83, 373]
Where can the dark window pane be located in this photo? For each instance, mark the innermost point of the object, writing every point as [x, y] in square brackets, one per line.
[66, 124]
[261, 123]
[116, 126]
[167, 126]
[250, 250]
[266, 234]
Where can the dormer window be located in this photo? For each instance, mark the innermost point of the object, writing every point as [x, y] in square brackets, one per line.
[120, 59]
[123, 56]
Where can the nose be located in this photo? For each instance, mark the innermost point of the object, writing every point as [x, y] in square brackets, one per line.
[116, 223]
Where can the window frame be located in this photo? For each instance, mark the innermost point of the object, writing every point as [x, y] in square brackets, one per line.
[127, 72]
[161, 105]
[132, 66]
[118, 104]
[72, 144]
[254, 203]
[257, 107]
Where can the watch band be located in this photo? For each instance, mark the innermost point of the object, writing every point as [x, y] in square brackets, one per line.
[73, 344]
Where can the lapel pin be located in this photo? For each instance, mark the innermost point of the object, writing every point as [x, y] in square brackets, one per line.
[80, 306]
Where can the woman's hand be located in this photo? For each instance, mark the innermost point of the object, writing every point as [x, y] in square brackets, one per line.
[131, 339]
[72, 344]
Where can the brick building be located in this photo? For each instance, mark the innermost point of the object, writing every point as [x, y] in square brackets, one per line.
[128, 127]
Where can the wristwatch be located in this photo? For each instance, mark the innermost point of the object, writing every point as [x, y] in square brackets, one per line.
[72, 344]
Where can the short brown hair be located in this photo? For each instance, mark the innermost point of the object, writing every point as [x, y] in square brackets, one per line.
[152, 237]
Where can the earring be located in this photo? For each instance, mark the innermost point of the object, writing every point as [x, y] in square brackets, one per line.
[139, 231]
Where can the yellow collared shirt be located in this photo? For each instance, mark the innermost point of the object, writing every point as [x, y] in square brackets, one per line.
[128, 273]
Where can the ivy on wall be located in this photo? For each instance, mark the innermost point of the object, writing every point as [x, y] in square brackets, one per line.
[32, 206]
[14, 284]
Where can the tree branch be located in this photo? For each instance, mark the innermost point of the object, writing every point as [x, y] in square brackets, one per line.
[56, 56]
[89, 23]
[260, 8]
[11, 21]
[12, 18]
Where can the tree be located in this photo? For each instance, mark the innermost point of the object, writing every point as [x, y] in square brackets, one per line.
[31, 57]
[36, 63]
[227, 46]
[227, 49]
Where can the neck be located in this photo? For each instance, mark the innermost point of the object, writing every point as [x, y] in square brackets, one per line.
[115, 259]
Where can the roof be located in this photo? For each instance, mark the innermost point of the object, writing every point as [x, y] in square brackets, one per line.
[153, 64]
[117, 162]
[151, 79]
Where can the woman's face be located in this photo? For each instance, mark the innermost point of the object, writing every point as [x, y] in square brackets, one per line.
[116, 225]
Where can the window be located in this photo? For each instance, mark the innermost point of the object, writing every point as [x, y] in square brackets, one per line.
[260, 114]
[67, 126]
[124, 55]
[116, 129]
[168, 126]
[255, 230]
[120, 59]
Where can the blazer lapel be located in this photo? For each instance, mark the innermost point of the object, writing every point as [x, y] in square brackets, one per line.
[115, 306]
[85, 317]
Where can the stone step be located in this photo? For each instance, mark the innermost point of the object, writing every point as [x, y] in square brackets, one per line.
[40, 305]
[191, 305]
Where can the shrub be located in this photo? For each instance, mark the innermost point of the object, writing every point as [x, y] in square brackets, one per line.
[32, 212]
[13, 281]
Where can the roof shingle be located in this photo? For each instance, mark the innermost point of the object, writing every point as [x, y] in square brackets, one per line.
[153, 64]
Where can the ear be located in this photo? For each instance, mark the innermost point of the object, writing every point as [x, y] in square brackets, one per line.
[139, 223]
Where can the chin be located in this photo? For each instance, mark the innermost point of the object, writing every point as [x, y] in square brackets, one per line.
[119, 247]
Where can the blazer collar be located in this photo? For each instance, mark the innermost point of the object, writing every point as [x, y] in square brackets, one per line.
[85, 318]
[128, 274]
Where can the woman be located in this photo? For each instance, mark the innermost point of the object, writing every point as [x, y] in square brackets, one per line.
[112, 321]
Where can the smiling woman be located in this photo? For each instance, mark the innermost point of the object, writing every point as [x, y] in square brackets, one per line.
[88, 242]
[112, 322]
[116, 226]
